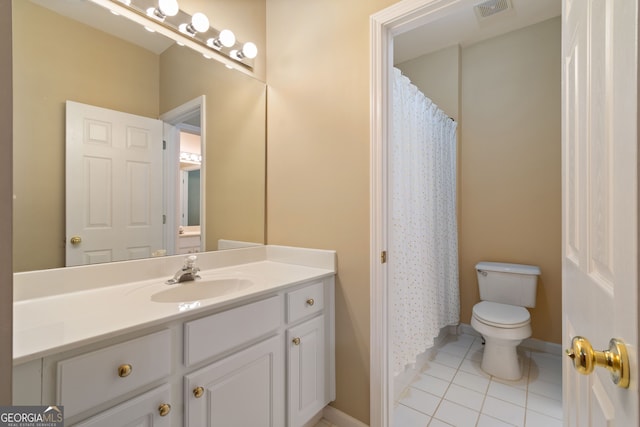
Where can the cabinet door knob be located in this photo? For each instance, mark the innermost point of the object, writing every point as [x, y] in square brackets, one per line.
[164, 409]
[198, 392]
[310, 301]
[124, 370]
[296, 341]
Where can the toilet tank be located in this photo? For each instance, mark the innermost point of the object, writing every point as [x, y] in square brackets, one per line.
[513, 284]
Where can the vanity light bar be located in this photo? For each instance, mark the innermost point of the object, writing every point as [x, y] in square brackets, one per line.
[192, 31]
[190, 157]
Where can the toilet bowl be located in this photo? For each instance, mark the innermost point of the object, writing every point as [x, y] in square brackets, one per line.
[501, 317]
[503, 328]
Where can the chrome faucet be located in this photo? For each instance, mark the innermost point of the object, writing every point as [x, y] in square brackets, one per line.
[189, 271]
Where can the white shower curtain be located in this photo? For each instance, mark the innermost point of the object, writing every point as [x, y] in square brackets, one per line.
[423, 262]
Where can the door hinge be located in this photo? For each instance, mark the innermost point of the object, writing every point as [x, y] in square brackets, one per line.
[164, 144]
[383, 257]
[164, 219]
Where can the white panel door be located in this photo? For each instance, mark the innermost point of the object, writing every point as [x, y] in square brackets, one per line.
[113, 185]
[600, 202]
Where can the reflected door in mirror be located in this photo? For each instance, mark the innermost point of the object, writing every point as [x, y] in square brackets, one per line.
[113, 185]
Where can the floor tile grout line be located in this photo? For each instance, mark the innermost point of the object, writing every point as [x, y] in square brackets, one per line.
[528, 360]
[448, 387]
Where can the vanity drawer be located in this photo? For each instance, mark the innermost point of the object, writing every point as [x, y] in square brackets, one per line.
[93, 378]
[218, 333]
[305, 301]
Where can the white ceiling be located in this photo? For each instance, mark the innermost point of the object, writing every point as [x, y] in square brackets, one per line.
[458, 24]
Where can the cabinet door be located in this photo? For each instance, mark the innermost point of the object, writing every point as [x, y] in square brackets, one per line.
[151, 409]
[244, 389]
[306, 360]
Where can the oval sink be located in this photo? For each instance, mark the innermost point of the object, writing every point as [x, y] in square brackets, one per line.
[202, 289]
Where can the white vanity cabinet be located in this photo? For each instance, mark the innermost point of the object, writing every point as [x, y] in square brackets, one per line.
[188, 244]
[306, 368]
[264, 360]
[149, 409]
[244, 389]
[117, 376]
[90, 379]
[248, 388]
[252, 376]
[310, 351]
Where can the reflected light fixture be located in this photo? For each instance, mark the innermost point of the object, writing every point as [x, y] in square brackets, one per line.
[190, 157]
[165, 8]
[199, 24]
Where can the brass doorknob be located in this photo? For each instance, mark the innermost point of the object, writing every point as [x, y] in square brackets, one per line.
[615, 360]
[296, 341]
[75, 240]
[198, 392]
[310, 301]
[164, 409]
[124, 370]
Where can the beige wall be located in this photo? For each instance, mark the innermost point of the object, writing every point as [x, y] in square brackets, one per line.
[509, 160]
[235, 146]
[318, 164]
[6, 143]
[511, 188]
[437, 75]
[47, 71]
[318, 159]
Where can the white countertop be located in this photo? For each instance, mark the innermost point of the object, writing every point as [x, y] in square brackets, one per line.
[57, 321]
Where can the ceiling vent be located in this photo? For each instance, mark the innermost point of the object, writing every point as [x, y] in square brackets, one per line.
[489, 8]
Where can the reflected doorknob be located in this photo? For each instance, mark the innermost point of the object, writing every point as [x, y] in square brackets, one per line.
[615, 360]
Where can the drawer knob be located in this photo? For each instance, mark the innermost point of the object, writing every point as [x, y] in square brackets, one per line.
[198, 392]
[164, 409]
[296, 341]
[310, 301]
[124, 370]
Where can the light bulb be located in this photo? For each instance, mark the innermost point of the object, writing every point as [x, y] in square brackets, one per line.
[168, 7]
[227, 38]
[200, 22]
[250, 50]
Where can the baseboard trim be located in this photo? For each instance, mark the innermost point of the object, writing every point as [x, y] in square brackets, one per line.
[339, 418]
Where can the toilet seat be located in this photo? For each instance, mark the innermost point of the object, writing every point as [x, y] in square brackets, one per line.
[501, 315]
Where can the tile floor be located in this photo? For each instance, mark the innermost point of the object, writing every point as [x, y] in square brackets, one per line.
[452, 390]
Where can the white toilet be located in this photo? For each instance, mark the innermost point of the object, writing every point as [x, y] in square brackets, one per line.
[501, 317]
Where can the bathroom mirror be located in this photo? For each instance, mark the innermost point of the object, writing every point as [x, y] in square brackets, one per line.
[58, 58]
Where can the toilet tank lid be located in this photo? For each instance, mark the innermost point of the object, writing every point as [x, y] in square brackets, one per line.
[508, 268]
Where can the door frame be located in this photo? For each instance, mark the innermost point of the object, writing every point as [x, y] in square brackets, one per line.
[384, 26]
[172, 163]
